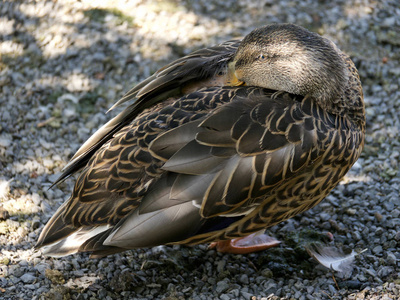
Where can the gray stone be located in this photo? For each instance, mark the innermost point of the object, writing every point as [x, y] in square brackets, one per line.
[244, 279]
[377, 250]
[28, 278]
[246, 295]
[41, 268]
[384, 271]
[222, 286]
[391, 259]
[224, 297]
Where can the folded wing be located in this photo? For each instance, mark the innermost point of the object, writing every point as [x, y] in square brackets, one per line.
[221, 152]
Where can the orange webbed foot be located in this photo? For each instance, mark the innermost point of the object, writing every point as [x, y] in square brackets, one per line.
[252, 243]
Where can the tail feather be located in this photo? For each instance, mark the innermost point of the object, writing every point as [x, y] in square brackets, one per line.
[73, 242]
[55, 230]
[59, 238]
[96, 245]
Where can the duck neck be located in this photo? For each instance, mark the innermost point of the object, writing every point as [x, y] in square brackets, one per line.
[351, 103]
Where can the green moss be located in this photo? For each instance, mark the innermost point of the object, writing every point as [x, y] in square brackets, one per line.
[7, 59]
[121, 17]
[57, 292]
[99, 15]
[36, 59]
[5, 261]
[169, 6]
[55, 276]
[52, 98]
[96, 14]
[87, 102]
[224, 274]
[267, 273]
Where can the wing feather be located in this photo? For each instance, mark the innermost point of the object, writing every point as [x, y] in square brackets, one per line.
[244, 126]
[201, 67]
[166, 181]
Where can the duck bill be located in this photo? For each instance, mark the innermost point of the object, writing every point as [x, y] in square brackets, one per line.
[232, 78]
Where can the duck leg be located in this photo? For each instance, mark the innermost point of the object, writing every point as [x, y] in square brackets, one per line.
[252, 243]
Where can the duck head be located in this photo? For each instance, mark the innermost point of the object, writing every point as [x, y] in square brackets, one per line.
[287, 57]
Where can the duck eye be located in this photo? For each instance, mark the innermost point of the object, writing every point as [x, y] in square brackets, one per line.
[262, 57]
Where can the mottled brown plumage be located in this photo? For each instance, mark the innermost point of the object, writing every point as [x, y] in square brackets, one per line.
[198, 159]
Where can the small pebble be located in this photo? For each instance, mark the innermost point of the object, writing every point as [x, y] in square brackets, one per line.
[377, 250]
[391, 259]
[244, 279]
[246, 295]
[222, 286]
[28, 278]
[224, 297]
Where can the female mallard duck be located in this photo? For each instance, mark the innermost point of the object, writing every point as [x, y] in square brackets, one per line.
[218, 145]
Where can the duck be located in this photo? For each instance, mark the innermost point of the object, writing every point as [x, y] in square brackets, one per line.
[216, 147]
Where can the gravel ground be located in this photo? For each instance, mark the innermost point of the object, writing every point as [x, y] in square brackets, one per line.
[63, 64]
